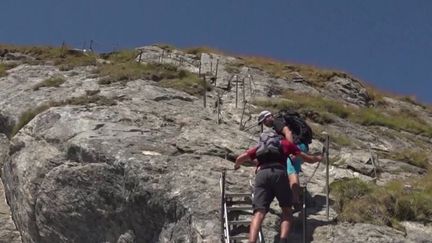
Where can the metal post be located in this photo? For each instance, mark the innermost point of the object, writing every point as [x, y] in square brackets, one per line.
[236, 98]
[211, 67]
[373, 161]
[243, 90]
[161, 56]
[242, 115]
[91, 45]
[304, 216]
[218, 108]
[63, 46]
[217, 67]
[327, 143]
[199, 69]
[222, 212]
[140, 56]
[205, 92]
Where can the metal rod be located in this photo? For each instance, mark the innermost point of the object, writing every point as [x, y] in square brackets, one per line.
[205, 92]
[218, 108]
[199, 69]
[140, 56]
[217, 67]
[327, 143]
[242, 115]
[222, 212]
[243, 90]
[236, 98]
[304, 217]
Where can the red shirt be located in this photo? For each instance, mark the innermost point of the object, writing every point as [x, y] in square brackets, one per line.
[287, 149]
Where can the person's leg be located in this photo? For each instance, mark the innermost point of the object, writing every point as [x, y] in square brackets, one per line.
[263, 196]
[283, 194]
[295, 187]
[255, 225]
[286, 223]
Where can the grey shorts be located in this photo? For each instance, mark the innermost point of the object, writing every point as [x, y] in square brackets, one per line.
[270, 183]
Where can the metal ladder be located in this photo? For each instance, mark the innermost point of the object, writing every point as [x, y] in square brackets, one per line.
[236, 212]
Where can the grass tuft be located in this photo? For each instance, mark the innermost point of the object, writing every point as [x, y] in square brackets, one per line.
[4, 67]
[358, 201]
[63, 57]
[414, 157]
[323, 109]
[50, 82]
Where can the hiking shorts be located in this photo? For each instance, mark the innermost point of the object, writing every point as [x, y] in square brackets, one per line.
[270, 183]
[294, 165]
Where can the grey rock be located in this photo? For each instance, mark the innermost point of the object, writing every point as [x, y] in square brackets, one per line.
[8, 231]
[350, 90]
[147, 168]
[417, 232]
[357, 233]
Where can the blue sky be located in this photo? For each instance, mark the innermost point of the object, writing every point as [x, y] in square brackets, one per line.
[386, 43]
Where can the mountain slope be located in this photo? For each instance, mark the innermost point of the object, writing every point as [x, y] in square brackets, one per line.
[121, 150]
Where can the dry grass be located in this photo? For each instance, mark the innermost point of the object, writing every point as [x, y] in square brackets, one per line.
[312, 75]
[4, 67]
[122, 56]
[324, 109]
[203, 49]
[63, 57]
[50, 82]
[358, 201]
[414, 157]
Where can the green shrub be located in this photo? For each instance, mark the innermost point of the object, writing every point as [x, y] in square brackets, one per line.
[122, 56]
[414, 157]
[2, 70]
[386, 205]
[166, 75]
[322, 110]
[317, 108]
[4, 67]
[124, 72]
[340, 139]
[346, 190]
[190, 84]
[63, 57]
[50, 82]
[312, 75]
[397, 121]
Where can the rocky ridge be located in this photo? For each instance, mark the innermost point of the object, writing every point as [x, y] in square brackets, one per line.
[146, 166]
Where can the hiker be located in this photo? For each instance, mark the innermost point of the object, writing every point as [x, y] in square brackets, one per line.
[271, 179]
[279, 124]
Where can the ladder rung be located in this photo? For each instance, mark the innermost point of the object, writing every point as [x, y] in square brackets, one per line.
[241, 194]
[239, 237]
[237, 222]
[239, 208]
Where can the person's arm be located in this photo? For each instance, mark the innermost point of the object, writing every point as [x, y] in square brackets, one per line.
[309, 158]
[241, 159]
[287, 134]
[280, 127]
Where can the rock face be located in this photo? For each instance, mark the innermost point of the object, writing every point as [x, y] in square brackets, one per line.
[8, 232]
[146, 166]
[348, 89]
